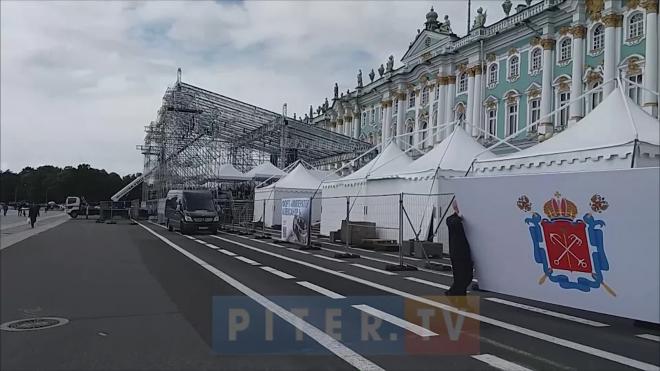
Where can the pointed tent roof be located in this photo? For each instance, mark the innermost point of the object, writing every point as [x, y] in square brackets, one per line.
[265, 170]
[228, 172]
[298, 178]
[386, 163]
[455, 153]
[605, 132]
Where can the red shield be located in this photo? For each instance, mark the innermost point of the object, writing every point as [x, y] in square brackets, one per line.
[567, 245]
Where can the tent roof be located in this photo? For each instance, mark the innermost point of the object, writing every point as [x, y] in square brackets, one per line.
[298, 178]
[455, 153]
[606, 131]
[266, 170]
[228, 172]
[388, 162]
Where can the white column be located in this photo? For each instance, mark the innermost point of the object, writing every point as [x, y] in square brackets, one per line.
[476, 110]
[545, 126]
[387, 120]
[417, 136]
[431, 135]
[611, 22]
[576, 109]
[347, 125]
[400, 116]
[356, 124]
[449, 103]
[650, 102]
[469, 110]
[340, 125]
[442, 102]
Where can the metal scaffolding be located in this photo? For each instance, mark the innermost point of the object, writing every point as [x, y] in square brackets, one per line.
[197, 130]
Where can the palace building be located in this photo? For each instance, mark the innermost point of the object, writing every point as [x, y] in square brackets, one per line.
[529, 67]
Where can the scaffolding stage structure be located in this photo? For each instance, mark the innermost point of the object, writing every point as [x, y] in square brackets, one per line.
[196, 131]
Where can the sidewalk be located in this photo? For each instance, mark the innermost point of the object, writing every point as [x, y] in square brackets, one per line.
[15, 228]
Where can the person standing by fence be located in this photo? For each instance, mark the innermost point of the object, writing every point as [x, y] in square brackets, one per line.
[5, 207]
[459, 252]
[33, 213]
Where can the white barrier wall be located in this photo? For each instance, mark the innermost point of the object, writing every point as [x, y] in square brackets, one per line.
[587, 240]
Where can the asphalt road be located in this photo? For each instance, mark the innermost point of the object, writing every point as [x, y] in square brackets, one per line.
[140, 297]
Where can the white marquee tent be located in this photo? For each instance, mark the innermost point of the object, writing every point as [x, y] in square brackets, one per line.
[609, 137]
[227, 172]
[335, 191]
[299, 183]
[265, 170]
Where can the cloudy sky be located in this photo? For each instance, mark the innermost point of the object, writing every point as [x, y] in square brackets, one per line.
[80, 80]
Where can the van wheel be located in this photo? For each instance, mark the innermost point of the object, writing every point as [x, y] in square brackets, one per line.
[169, 226]
[73, 214]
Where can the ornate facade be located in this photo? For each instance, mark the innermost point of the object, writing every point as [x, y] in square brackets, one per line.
[526, 68]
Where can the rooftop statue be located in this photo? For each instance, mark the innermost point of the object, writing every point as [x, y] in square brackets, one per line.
[372, 75]
[359, 78]
[336, 91]
[390, 63]
[446, 25]
[480, 19]
[381, 70]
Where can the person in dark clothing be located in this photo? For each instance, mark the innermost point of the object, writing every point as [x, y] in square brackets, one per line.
[5, 207]
[459, 252]
[33, 214]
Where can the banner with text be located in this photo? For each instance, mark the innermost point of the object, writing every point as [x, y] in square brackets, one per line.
[585, 240]
[295, 220]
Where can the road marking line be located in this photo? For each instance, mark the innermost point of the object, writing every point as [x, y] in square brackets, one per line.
[491, 321]
[227, 252]
[548, 312]
[374, 269]
[328, 258]
[298, 250]
[434, 284]
[278, 273]
[327, 341]
[405, 257]
[649, 337]
[249, 261]
[272, 244]
[321, 290]
[189, 237]
[156, 224]
[499, 363]
[419, 330]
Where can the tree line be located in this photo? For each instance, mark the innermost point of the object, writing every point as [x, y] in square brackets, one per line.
[51, 183]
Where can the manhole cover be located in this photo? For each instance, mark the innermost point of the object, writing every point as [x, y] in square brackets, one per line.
[30, 324]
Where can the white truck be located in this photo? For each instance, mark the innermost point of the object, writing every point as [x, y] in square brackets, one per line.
[75, 206]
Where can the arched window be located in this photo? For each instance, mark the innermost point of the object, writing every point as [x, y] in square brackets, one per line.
[491, 121]
[634, 88]
[459, 112]
[424, 135]
[437, 93]
[462, 83]
[596, 96]
[636, 26]
[598, 38]
[411, 99]
[562, 102]
[425, 95]
[565, 50]
[536, 60]
[511, 117]
[534, 109]
[395, 108]
[410, 136]
[492, 74]
[514, 67]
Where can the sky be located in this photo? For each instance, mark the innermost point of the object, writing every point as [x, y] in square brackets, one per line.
[80, 80]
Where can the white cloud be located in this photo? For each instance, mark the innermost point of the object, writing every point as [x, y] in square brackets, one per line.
[80, 80]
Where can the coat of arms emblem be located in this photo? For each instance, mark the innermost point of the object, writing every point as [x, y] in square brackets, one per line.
[570, 250]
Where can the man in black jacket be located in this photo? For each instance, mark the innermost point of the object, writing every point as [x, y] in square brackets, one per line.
[459, 252]
[33, 213]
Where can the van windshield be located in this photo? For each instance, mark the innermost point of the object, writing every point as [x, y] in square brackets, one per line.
[199, 201]
[71, 200]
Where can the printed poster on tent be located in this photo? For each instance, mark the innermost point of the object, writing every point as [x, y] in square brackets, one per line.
[295, 220]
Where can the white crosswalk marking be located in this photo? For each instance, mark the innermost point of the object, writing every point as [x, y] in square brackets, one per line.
[500, 363]
[328, 258]
[227, 252]
[249, 261]
[434, 284]
[374, 269]
[649, 337]
[278, 272]
[419, 330]
[548, 312]
[321, 290]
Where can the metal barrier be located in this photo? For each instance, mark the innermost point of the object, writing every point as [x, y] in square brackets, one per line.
[110, 210]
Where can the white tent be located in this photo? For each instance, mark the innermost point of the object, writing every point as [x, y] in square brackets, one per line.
[610, 137]
[265, 170]
[227, 172]
[355, 184]
[299, 183]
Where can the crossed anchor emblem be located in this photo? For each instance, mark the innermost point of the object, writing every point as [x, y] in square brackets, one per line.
[567, 245]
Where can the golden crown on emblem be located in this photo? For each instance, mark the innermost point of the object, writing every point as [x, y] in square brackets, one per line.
[559, 207]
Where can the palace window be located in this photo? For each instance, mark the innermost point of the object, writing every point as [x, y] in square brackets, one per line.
[564, 98]
[373, 115]
[636, 26]
[437, 93]
[411, 99]
[634, 88]
[511, 118]
[395, 107]
[534, 113]
[536, 60]
[410, 135]
[598, 38]
[492, 74]
[364, 117]
[462, 83]
[491, 121]
[514, 67]
[596, 96]
[565, 50]
[424, 135]
[425, 96]
[459, 112]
